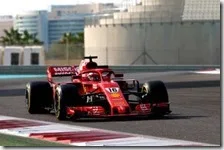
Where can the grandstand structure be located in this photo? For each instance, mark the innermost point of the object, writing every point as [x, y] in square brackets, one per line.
[157, 32]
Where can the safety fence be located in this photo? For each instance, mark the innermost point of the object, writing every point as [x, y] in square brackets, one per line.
[64, 54]
[118, 69]
[140, 55]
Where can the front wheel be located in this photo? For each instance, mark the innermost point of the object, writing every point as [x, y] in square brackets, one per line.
[59, 107]
[155, 93]
[66, 95]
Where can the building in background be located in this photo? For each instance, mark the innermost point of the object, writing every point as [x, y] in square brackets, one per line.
[50, 26]
[65, 24]
[70, 18]
[35, 22]
[6, 22]
[60, 10]
[157, 32]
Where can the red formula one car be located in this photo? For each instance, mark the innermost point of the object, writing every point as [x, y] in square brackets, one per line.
[95, 91]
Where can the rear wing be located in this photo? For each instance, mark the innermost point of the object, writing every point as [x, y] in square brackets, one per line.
[55, 71]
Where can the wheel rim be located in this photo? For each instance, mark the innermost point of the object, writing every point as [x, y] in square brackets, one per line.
[144, 90]
[57, 106]
[27, 100]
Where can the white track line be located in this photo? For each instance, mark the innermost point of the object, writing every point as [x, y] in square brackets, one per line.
[134, 140]
[215, 71]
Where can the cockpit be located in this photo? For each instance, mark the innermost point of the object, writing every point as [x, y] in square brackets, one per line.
[97, 76]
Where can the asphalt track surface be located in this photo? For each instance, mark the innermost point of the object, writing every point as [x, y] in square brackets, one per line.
[195, 103]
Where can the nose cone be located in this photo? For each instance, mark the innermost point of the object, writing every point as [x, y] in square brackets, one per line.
[121, 110]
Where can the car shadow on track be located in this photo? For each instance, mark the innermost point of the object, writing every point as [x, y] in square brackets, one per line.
[142, 118]
[177, 116]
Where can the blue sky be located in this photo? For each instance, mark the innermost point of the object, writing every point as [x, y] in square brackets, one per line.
[12, 7]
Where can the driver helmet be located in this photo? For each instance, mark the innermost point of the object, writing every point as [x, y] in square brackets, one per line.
[93, 76]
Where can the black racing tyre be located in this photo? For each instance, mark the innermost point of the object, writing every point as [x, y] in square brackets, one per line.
[39, 94]
[66, 95]
[155, 92]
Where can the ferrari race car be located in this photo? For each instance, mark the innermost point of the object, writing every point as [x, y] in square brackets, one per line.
[95, 91]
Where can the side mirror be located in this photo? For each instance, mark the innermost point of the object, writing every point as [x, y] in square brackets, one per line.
[132, 85]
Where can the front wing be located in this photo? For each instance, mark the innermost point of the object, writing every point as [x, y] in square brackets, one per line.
[99, 111]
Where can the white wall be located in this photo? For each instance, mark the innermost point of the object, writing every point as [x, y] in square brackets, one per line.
[7, 54]
[28, 50]
[164, 43]
[24, 54]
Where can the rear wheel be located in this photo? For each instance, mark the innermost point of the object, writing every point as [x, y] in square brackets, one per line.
[66, 95]
[38, 96]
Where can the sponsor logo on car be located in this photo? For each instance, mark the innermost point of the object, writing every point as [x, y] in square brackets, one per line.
[94, 86]
[115, 95]
[113, 90]
[62, 69]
